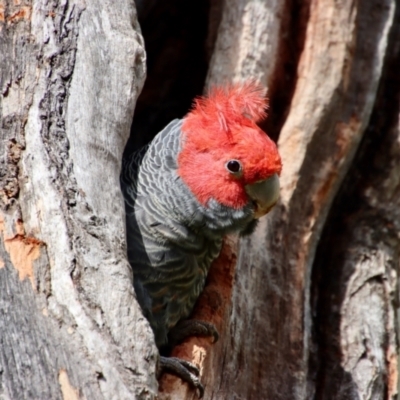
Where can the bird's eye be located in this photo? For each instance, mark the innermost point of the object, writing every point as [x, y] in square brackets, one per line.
[233, 166]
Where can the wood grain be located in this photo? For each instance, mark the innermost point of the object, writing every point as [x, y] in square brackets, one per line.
[70, 81]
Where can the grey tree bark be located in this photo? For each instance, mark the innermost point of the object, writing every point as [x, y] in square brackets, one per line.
[297, 327]
[70, 326]
[306, 307]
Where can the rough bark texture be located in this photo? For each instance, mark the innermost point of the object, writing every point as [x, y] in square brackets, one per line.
[268, 349]
[307, 307]
[70, 325]
[317, 143]
[358, 261]
[247, 41]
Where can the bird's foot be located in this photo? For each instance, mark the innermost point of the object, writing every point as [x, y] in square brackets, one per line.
[192, 327]
[183, 369]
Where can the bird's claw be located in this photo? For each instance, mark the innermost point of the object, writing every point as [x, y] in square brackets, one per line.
[185, 370]
[192, 327]
[191, 367]
[214, 333]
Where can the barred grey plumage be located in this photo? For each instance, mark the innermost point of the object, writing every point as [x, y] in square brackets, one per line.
[212, 173]
[172, 238]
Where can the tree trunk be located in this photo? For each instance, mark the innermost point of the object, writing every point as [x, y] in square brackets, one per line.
[270, 346]
[307, 306]
[70, 326]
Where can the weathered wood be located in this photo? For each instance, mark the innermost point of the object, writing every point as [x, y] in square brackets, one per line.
[266, 350]
[355, 278]
[338, 74]
[247, 42]
[290, 328]
[69, 320]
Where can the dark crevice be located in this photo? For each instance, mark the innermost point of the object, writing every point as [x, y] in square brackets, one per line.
[295, 15]
[350, 218]
[179, 40]
[175, 35]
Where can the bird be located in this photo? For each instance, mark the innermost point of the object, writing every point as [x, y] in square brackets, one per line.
[209, 174]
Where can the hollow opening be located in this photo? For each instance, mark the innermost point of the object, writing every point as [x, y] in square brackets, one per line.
[175, 36]
[179, 39]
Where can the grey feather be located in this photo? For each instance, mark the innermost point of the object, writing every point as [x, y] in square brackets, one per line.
[172, 239]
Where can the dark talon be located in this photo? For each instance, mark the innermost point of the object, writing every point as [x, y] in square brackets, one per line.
[192, 327]
[188, 365]
[215, 335]
[200, 391]
[183, 369]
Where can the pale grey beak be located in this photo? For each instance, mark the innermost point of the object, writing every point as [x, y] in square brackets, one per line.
[265, 194]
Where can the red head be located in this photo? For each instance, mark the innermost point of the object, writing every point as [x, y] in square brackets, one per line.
[223, 150]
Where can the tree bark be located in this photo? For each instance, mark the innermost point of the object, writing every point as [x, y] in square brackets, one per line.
[267, 346]
[358, 261]
[307, 306]
[70, 325]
